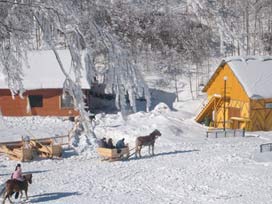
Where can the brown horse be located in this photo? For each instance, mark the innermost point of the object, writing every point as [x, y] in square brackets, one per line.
[13, 185]
[148, 140]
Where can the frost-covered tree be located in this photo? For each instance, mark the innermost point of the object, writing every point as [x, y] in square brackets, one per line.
[241, 24]
[83, 36]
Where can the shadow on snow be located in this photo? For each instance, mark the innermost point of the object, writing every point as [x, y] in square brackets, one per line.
[51, 196]
[165, 153]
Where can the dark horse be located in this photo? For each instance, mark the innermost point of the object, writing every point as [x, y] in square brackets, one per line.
[13, 186]
[148, 140]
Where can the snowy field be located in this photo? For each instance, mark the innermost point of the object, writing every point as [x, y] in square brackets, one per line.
[187, 168]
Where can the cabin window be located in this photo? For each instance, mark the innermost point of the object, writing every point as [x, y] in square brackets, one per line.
[268, 105]
[234, 112]
[67, 101]
[35, 101]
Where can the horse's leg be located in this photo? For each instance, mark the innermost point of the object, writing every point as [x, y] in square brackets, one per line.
[8, 197]
[153, 149]
[149, 150]
[4, 197]
[21, 194]
[4, 200]
[140, 148]
[136, 151]
[25, 194]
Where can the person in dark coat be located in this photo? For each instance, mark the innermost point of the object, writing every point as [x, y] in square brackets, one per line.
[110, 144]
[103, 143]
[120, 144]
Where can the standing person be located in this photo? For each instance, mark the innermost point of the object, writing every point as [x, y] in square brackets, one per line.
[110, 144]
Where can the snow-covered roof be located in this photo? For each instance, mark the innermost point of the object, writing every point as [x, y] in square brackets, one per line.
[44, 72]
[254, 74]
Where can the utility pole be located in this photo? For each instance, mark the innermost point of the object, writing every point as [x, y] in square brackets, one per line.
[225, 88]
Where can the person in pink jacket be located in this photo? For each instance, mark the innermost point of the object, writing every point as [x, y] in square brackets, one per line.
[17, 174]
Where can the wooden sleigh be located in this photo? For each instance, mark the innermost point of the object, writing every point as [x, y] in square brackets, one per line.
[113, 154]
[17, 153]
[27, 150]
[46, 148]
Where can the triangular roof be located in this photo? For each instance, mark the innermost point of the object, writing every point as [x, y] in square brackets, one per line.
[44, 72]
[253, 73]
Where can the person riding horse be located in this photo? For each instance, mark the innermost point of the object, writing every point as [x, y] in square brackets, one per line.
[18, 183]
[17, 175]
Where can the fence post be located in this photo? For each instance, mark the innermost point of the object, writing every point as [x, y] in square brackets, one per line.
[261, 148]
[215, 134]
[244, 132]
[207, 134]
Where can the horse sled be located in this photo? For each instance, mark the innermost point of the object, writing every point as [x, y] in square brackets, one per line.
[113, 154]
[124, 153]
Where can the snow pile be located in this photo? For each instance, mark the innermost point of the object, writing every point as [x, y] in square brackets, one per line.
[161, 107]
[140, 124]
[86, 148]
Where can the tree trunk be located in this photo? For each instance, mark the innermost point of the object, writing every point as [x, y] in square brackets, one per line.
[247, 30]
[176, 84]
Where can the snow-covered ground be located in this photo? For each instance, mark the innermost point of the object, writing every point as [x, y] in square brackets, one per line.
[187, 168]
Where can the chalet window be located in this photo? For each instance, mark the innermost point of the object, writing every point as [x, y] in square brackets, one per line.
[35, 101]
[234, 112]
[268, 105]
[67, 101]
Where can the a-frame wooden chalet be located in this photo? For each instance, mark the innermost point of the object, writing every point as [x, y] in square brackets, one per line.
[240, 89]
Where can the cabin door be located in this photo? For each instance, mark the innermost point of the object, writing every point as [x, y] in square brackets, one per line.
[235, 112]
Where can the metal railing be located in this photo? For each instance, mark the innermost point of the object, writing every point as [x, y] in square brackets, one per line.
[266, 147]
[227, 133]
